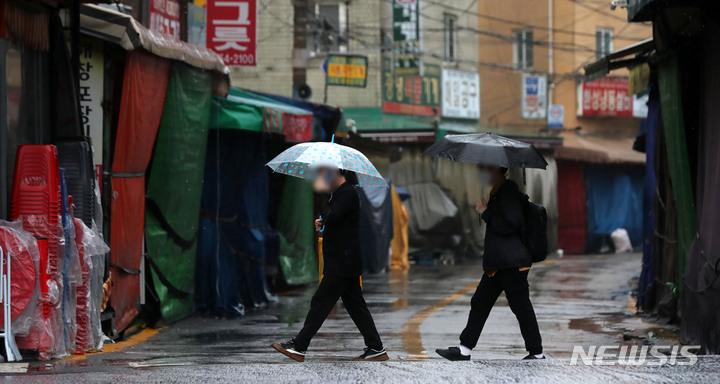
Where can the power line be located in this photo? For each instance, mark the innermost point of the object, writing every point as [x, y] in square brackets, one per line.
[527, 25]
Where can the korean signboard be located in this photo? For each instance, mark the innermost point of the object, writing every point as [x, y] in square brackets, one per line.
[165, 17]
[534, 96]
[556, 116]
[92, 75]
[232, 30]
[411, 95]
[461, 94]
[605, 97]
[406, 37]
[196, 25]
[347, 70]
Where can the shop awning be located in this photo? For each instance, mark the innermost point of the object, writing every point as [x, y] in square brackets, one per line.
[372, 123]
[619, 59]
[599, 149]
[252, 112]
[122, 29]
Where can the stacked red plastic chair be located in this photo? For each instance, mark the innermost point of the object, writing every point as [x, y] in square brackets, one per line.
[84, 335]
[36, 198]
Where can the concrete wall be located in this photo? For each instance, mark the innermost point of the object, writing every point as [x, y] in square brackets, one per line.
[273, 73]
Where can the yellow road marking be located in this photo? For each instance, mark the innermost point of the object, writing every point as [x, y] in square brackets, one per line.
[412, 341]
[133, 340]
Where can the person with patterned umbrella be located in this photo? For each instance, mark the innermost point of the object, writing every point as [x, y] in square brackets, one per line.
[337, 170]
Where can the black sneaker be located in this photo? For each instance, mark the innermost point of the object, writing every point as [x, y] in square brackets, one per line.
[452, 354]
[288, 349]
[533, 357]
[372, 355]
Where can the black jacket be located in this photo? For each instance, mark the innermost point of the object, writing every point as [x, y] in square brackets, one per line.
[505, 220]
[341, 247]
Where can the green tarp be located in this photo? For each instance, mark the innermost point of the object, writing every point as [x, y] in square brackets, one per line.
[252, 112]
[677, 153]
[298, 259]
[175, 186]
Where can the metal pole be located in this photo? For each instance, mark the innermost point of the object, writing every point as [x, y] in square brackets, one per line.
[75, 41]
[551, 65]
[3, 133]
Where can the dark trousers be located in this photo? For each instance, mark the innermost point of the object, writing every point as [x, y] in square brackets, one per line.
[515, 285]
[330, 290]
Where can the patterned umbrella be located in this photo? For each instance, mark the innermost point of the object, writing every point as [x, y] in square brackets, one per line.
[300, 160]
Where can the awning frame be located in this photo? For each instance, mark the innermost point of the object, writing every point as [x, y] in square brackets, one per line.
[617, 59]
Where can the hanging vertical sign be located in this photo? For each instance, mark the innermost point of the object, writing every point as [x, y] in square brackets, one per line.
[461, 94]
[556, 116]
[232, 30]
[407, 43]
[196, 25]
[91, 93]
[534, 96]
[165, 17]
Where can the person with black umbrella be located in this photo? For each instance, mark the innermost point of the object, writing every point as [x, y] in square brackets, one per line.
[507, 258]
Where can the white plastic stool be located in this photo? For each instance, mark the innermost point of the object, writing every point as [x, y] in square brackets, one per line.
[11, 350]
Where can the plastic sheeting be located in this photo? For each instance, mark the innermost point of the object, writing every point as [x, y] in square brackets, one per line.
[20, 246]
[572, 207]
[614, 200]
[399, 243]
[678, 160]
[298, 260]
[143, 95]
[376, 228]
[233, 226]
[71, 274]
[432, 211]
[90, 246]
[178, 164]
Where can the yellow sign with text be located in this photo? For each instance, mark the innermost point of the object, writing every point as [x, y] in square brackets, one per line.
[349, 71]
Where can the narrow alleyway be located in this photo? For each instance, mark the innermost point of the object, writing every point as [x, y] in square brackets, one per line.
[579, 301]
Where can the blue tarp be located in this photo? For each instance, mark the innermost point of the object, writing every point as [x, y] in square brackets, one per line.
[647, 275]
[233, 225]
[376, 228]
[614, 200]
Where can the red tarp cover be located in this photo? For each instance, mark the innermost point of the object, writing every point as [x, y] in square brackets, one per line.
[572, 207]
[143, 95]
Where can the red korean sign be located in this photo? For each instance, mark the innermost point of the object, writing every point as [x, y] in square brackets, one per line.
[165, 17]
[232, 30]
[606, 97]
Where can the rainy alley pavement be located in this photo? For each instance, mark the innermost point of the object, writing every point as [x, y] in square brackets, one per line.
[582, 300]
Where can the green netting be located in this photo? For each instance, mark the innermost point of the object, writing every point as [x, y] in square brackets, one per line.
[175, 187]
[679, 165]
[295, 227]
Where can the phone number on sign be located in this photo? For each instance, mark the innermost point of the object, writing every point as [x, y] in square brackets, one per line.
[238, 58]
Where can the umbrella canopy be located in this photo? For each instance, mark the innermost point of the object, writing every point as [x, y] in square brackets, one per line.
[487, 149]
[300, 158]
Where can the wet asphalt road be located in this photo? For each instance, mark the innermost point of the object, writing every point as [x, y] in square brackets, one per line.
[578, 300]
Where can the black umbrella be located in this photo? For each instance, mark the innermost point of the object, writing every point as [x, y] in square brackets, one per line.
[487, 149]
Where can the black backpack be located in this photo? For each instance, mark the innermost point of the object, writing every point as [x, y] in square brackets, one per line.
[536, 231]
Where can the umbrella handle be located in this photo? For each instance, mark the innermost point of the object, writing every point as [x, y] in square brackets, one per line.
[323, 227]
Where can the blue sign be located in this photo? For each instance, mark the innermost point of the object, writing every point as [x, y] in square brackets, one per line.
[556, 116]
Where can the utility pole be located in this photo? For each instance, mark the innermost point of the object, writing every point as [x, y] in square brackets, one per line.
[551, 69]
[300, 30]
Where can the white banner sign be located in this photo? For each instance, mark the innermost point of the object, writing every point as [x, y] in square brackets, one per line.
[92, 75]
[534, 96]
[461, 94]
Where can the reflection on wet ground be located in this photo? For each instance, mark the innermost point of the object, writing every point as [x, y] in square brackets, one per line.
[582, 300]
